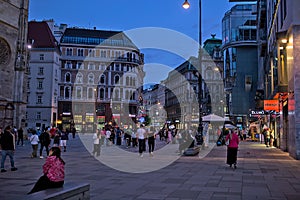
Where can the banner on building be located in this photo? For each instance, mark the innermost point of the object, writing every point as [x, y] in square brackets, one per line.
[271, 105]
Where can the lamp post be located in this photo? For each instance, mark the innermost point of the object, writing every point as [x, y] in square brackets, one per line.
[197, 73]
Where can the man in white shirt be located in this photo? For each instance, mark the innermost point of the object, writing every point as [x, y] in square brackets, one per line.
[141, 133]
[108, 133]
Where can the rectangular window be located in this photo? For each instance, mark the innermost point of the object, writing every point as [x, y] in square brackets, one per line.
[77, 119]
[92, 53]
[117, 67]
[79, 52]
[103, 54]
[41, 71]
[40, 84]
[89, 118]
[42, 56]
[39, 99]
[69, 51]
[28, 84]
[68, 65]
[91, 66]
[38, 115]
[28, 70]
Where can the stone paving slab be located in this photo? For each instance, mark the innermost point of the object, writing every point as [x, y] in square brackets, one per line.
[262, 173]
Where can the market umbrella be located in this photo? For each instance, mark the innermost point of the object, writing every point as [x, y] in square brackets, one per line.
[213, 118]
[230, 126]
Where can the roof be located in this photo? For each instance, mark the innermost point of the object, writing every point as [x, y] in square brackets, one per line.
[40, 35]
[96, 37]
[211, 44]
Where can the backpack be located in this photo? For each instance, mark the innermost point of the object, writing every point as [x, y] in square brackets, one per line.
[44, 137]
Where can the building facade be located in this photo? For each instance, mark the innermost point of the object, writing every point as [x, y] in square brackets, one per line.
[281, 20]
[101, 79]
[13, 62]
[153, 102]
[239, 45]
[43, 76]
[182, 89]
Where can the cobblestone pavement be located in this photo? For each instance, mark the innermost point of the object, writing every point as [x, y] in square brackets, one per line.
[262, 173]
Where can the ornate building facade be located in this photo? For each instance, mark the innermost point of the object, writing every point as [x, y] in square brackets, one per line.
[13, 62]
[101, 79]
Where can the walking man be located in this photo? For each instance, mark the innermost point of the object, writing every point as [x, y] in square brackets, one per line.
[20, 136]
[141, 134]
[8, 146]
[45, 142]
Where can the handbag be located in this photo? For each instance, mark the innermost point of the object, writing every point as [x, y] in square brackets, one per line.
[227, 142]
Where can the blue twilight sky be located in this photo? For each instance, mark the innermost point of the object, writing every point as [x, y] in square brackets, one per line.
[124, 15]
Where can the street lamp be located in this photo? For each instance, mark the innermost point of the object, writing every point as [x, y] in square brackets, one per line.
[197, 73]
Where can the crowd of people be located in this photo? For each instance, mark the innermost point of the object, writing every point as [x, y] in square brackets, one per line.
[53, 169]
[142, 138]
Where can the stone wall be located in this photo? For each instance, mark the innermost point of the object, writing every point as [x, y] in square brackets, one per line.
[12, 33]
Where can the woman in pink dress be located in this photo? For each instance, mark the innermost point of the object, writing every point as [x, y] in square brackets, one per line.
[232, 148]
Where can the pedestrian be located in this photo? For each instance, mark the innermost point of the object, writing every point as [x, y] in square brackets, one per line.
[268, 137]
[45, 141]
[151, 140]
[141, 134]
[103, 137]
[73, 131]
[53, 172]
[272, 137]
[127, 137]
[20, 136]
[64, 137]
[34, 141]
[244, 132]
[96, 142]
[53, 131]
[118, 136]
[7, 141]
[56, 139]
[112, 135]
[133, 138]
[108, 138]
[232, 148]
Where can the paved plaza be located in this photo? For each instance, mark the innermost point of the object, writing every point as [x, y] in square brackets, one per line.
[262, 173]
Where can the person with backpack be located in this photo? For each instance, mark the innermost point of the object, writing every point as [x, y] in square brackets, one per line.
[45, 141]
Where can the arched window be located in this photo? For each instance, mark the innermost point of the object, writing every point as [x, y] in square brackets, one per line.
[79, 78]
[67, 92]
[101, 93]
[78, 92]
[117, 79]
[91, 78]
[90, 93]
[68, 78]
[132, 96]
[102, 79]
[127, 81]
[127, 94]
[209, 74]
[116, 94]
[133, 81]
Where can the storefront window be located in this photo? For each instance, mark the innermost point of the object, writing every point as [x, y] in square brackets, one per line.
[89, 118]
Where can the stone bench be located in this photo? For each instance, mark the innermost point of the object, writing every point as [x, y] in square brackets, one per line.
[70, 191]
[192, 151]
